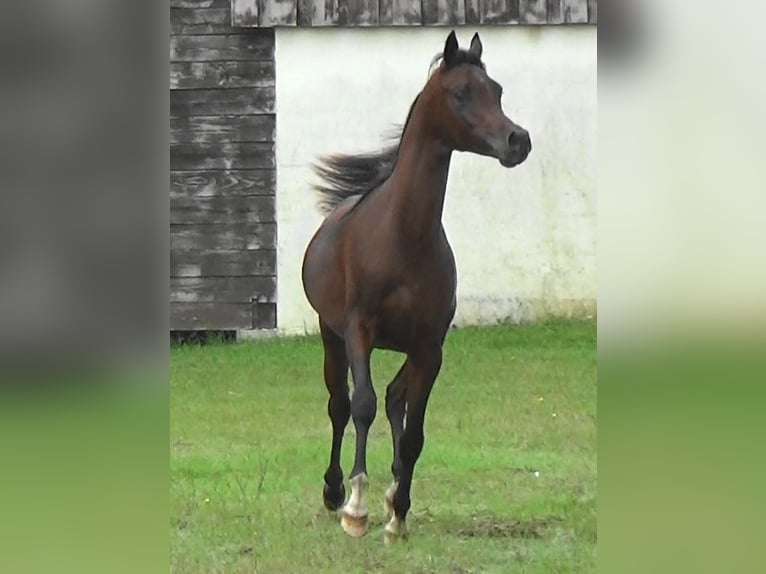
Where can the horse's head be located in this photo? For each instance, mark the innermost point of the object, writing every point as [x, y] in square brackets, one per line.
[468, 103]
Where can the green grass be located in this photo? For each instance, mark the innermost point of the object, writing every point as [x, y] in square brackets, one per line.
[250, 441]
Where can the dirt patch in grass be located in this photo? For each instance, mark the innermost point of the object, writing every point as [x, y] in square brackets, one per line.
[487, 527]
[472, 527]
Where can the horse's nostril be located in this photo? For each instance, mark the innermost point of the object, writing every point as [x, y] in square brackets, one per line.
[520, 139]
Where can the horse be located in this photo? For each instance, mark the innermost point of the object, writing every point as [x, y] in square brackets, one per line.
[380, 273]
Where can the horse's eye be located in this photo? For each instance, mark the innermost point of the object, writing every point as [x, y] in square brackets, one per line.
[461, 94]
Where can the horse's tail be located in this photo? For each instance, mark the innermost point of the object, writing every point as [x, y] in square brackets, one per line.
[343, 176]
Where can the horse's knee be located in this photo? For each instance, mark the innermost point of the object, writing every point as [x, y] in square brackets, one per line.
[364, 406]
[339, 410]
[394, 405]
[391, 395]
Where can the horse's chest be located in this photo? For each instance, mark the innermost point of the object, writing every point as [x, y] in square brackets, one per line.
[399, 303]
[409, 295]
[415, 309]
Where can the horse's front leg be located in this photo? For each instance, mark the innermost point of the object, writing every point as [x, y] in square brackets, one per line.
[424, 369]
[364, 406]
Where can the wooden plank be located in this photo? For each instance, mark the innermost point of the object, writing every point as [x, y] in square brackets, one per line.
[220, 129]
[197, 4]
[385, 12]
[567, 12]
[222, 289]
[204, 316]
[311, 12]
[593, 11]
[443, 12]
[407, 13]
[223, 210]
[430, 12]
[575, 11]
[357, 13]
[305, 13]
[320, 12]
[473, 11]
[200, 21]
[254, 45]
[222, 183]
[223, 263]
[222, 156]
[533, 11]
[234, 101]
[361, 12]
[264, 315]
[555, 14]
[244, 12]
[400, 13]
[278, 13]
[229, 237]
[499, 11]
[196, 75]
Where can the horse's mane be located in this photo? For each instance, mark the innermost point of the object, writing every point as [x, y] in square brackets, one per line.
[345, 176]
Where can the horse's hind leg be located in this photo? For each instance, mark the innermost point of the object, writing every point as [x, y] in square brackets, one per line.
[339, 409]
[395, 411]
[363, 410]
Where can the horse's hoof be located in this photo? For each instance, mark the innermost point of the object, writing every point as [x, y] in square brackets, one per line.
[355, 526]
[395, 530]
[333, 497]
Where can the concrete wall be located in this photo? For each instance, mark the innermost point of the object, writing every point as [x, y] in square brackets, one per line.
[525, 238]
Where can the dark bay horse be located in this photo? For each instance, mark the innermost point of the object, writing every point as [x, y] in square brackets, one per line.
[380, 273]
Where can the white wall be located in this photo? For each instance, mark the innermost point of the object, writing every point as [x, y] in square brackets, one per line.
[525, 238]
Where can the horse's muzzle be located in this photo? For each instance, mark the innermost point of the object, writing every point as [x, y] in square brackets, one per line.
[519, 145]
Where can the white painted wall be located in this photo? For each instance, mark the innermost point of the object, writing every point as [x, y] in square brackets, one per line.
[525, 238]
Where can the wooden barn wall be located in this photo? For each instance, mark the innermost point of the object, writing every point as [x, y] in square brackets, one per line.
[222, 126]
[270, 13]
[222, 180]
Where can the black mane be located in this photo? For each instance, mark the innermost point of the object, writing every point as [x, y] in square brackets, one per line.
[345, 176]
[458, 59]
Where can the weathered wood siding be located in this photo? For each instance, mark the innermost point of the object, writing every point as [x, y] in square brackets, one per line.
[270, 13]
[222, 179]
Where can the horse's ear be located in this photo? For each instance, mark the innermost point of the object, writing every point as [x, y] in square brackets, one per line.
[450, 48]
[476, 46]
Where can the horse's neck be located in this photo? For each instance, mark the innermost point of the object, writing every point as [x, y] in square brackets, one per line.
[419, 180]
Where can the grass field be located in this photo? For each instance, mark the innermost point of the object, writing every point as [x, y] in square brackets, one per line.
[506, 481]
